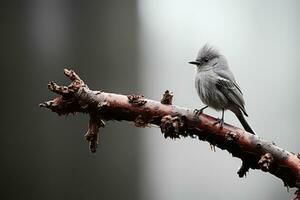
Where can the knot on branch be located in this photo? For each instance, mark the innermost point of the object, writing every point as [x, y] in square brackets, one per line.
[231, 137]
[137, 100]
[265, 162]
[167, 98]
[93, 129]
[102, 105]
[140, 121]
[172, 127]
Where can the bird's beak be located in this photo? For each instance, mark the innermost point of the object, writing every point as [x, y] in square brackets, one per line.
[195, 62]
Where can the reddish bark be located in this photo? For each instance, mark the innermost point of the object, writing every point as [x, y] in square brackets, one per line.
[174, 122]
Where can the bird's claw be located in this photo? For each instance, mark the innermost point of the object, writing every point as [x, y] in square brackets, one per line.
[220, 121]
[199, 111]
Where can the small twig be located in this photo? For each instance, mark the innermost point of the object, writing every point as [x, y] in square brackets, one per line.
[93, 130]
[167, 98]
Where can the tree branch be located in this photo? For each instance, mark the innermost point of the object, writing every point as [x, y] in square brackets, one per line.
[174, 122]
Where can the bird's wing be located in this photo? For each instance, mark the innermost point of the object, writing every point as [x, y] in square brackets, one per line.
[232, 92]
[227, 74]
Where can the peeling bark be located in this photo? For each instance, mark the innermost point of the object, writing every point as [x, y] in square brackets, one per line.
[174, 122]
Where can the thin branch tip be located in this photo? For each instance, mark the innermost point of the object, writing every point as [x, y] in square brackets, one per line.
[43, 105]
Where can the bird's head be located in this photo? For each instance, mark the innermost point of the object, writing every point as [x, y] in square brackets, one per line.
[206, 58]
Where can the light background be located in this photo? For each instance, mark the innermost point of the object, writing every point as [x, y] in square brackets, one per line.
[261, 42]
[143, 47]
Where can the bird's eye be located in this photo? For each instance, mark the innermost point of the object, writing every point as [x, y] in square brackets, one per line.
[206, 59]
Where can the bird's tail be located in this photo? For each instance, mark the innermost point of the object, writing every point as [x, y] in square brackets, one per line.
[244, 123]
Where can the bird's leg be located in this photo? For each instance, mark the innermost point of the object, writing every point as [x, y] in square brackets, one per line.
[221, 121]
[199, 112]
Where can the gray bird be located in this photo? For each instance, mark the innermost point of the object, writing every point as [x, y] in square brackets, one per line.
[216, 85]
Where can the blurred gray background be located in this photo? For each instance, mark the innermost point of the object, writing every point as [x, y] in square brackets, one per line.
[141, 46]
[44, 156]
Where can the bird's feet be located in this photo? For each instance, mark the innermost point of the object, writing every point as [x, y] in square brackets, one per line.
[220, 121]
[200, 111]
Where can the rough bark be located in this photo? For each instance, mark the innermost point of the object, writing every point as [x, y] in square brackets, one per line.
[174, 122]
